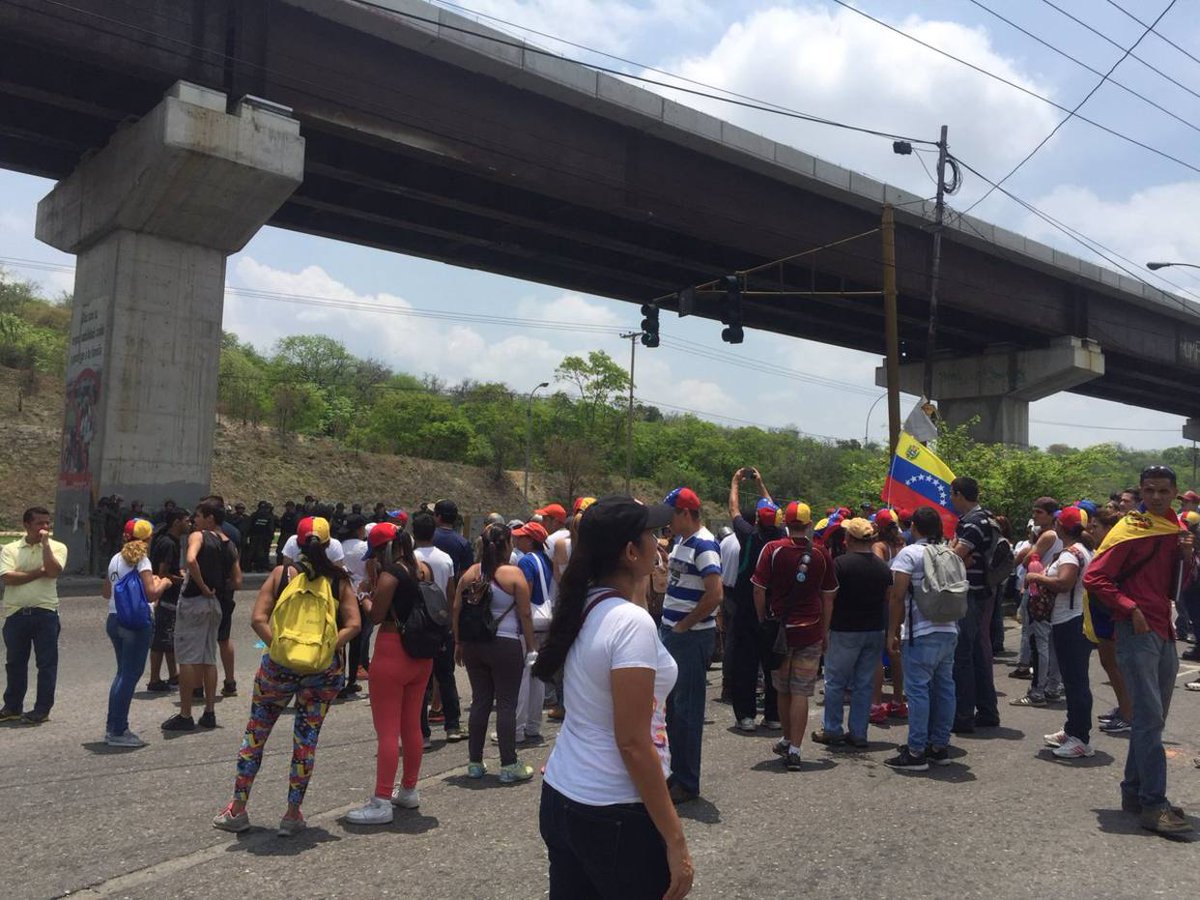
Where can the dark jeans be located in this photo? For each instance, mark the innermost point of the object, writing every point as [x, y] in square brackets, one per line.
[1191, 601]
[1074, 653]
[36, 630]
[131, 648]
[494, 669]
[974, 685]
[997, 621]
[443, 671]
[1149, 666]
[744, 666]
[602, 852]
[692, 652]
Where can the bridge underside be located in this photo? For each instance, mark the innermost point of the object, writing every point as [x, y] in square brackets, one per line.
[424, 156]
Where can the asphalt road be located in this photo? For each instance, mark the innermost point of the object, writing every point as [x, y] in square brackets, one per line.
[1005, 820]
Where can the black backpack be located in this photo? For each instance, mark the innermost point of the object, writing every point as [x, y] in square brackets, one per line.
[476, 624]
[426, 629]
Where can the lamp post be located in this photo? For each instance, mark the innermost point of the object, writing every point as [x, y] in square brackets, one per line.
[529, 434]
[1155, 266]
[867, 427]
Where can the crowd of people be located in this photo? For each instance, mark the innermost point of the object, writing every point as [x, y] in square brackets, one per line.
[610, 615]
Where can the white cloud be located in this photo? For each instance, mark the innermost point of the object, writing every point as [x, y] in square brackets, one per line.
[840, 66]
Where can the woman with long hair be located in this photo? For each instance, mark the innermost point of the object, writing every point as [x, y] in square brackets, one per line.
[397, 680]
[1119, 719]
[275, 685]
[498, 596]
[887, 546]
[132, 646]
[606, 815]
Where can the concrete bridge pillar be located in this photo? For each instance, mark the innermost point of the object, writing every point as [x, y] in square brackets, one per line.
[999, 385]
[152, 217]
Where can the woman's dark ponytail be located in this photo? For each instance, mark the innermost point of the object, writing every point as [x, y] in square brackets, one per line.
[495, 539]
[581, 573]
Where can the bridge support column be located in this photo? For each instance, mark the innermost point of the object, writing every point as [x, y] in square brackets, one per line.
[152, 217]
[998, 386]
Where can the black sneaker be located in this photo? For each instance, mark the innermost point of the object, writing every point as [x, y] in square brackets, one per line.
[173, 681]
[229, 689]
[158, 686]
[33, 717]
[858, 743]
[792, 761]
[938, 756]
[907, 761]
[991, 721]
[208, 720]
[963, 728]
[9, 715]
[179, 722]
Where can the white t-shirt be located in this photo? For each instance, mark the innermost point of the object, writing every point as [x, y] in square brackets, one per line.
[585, 764]
[354, 548]
[1021, 571]
[731, 554]
[1069, 604]
[440, 565]
[552, 540]
[334, 552]
[911, 562]
[118, 569]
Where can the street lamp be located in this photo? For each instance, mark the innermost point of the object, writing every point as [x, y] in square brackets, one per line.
[529, 434]
[867, 427]
[1155, 266]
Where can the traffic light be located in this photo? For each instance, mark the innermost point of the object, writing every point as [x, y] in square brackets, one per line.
[649, 325]
[731, 310]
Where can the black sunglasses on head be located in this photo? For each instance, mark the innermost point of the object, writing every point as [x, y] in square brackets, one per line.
[1158, 472]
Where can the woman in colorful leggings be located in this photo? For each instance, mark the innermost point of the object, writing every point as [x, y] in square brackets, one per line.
[275, 685]
[397, 680]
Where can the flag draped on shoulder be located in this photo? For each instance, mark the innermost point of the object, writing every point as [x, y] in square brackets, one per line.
[918, 477]
[1137, 524]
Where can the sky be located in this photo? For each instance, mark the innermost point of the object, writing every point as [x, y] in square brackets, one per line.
[826, 60]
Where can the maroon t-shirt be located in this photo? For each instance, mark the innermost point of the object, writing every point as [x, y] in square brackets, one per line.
[776, 573]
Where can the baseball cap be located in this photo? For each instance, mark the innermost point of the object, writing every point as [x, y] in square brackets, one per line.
[766, 511]
[859, 529]
[1089, 507]
[312, 526]
[582, 503]
[553, 510]
[383, 533]
[138, 529]
[1191, 518]
[494, 518]
[612, 522]
[797, 513]
[398, 515]
[446, 510]
[1072, 517]
[533, 531]
[353, 522]
[683, 498]
[1190, 496]
[885, 517]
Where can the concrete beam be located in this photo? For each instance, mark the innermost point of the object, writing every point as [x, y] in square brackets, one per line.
[998, 386]
[152, 217]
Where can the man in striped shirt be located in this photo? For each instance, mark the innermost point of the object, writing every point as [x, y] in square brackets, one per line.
[689, 626]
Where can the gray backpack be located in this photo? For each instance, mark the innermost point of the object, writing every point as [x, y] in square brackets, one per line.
[942, 594]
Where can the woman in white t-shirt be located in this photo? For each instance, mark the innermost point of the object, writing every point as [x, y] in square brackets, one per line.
[1064, 579]
[132, 645]
[606, 815]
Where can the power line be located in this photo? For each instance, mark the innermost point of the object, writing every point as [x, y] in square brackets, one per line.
[1101, 427]
[1090, 68]
[1012, 84]
[1159, 35]
[1078, 106]
[1103, 36]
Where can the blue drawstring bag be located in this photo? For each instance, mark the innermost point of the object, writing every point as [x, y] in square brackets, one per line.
[133, 608]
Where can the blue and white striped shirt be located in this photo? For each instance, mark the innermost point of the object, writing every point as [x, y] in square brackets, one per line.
[691, 560]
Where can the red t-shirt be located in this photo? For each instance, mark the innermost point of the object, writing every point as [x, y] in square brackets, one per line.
[777, 575]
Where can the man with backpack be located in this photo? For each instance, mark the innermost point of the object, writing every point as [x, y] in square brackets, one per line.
[975, 541]
[442, 567]
[793, 581]
[929, 593]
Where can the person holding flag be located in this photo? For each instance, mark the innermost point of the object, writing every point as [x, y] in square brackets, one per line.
[1135, 574]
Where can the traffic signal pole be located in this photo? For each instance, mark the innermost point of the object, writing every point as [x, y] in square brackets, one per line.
[632, 337]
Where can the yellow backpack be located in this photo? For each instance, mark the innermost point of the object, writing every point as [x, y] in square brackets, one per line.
[304, 625]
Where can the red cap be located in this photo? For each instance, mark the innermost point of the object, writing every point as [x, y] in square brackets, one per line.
[768, 514]
[554, 511]
[1190, 496]
[531, 530]
[383, 533]
[683, 498]
[884, 517]
[1071, 517]
[310, 526]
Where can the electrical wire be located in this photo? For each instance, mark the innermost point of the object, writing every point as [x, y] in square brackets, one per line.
[1159, 35]
[1024, 90]
[1101, 427]
[1090, 68]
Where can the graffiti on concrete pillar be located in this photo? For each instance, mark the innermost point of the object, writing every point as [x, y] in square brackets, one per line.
[83, 401]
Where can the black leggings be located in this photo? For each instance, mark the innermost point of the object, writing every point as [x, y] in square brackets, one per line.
[494, 668]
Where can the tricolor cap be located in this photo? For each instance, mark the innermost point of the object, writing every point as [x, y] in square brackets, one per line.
[766, 512]
[553, 510]
[1089, 507]
[1071, 517]
[1191, 518]
[138, 530]
[582, 503]
[820, 526]
[310, 527]
[398, 515]
[885, 517]
[382, 534]
[683, 498]
[798, 513]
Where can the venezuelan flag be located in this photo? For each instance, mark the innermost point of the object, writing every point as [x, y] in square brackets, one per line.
[1134, 525]
[919, 478]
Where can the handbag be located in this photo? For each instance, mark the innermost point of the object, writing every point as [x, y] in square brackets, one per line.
[543, 614]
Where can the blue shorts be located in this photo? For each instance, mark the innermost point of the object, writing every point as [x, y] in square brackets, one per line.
[1102, 622]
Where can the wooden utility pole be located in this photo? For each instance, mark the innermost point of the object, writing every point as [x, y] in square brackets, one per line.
[633, 338]
[891, 325]
[935, 272]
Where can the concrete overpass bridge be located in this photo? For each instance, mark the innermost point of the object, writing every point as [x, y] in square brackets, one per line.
[404, 127]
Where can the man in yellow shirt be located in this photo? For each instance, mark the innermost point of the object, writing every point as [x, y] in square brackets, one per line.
[30, 568]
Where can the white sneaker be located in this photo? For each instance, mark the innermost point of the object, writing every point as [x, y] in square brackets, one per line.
[406, 798]
[1073, 748]
[128, 739]
[772, 724]
[376, 811]
[747, 725]
[1055, 740]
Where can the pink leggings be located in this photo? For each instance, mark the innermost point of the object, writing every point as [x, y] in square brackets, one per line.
[397, 694]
